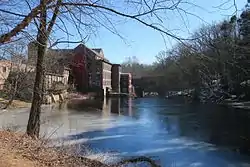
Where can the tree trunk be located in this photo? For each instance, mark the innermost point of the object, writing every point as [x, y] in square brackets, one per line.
[33, 127]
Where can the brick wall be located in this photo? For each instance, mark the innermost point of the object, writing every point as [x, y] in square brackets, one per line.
[115, 77]
[89, 68]
[126, 83]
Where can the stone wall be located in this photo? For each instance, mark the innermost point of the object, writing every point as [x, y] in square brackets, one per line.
[56, 82]
[56, 86]
[5, 68]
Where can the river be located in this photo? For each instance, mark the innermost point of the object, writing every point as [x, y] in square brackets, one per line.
[174, 133]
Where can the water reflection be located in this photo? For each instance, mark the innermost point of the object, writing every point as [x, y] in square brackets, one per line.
[214, 124]
[122, 106]
[220, 125]
[115, 105]
[118, 106]
[187, 135]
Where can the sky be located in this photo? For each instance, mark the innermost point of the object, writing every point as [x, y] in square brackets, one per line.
[144, 42]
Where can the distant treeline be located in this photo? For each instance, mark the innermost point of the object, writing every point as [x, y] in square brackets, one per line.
[216, 63]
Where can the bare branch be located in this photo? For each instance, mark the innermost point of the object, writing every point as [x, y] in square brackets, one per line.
[22, 25]
[13, 13]
[53, 19]
[134, 17]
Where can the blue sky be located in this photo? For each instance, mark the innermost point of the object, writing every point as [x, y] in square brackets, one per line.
[145, 43]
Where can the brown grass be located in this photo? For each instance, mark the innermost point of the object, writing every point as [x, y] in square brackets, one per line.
[14, 104]
[13, 160]
[19, 150]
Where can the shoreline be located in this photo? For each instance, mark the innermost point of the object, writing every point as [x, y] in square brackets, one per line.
[14, 105]
[18, 150]
[19, 104]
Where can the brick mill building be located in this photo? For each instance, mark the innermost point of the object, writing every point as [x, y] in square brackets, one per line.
[90, 71]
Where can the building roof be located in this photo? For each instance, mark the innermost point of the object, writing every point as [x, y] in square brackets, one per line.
[66, 53]
[99, 56]
[63, 50]
[116, 64]
[98, 50]
[106, 61]
[99, 53]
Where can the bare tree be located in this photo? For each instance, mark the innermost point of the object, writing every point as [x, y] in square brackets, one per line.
[15, 70]
[48, 15]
